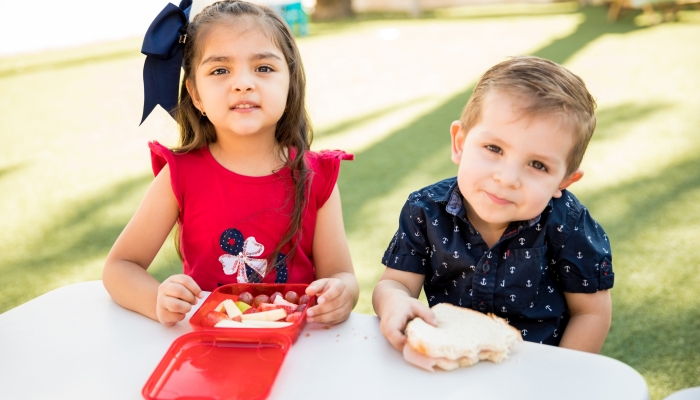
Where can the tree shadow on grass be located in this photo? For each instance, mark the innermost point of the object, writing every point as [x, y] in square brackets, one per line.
[84, 233]
[651, 330]
[365, 118]
[612, 121]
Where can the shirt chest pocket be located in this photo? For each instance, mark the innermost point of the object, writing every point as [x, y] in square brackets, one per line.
[521, 276]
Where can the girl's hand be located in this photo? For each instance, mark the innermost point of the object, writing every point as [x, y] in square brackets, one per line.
[334, 301]
[176, 296]
[403, 309]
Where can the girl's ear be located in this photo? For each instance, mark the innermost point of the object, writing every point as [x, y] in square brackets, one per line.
[567, 181]
[457, 134]
[193, 94]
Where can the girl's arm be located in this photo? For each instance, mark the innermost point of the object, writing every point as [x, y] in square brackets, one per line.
[591, 315]
[124, 274]
[335, 285]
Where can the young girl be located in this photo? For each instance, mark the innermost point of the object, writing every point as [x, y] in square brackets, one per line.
[252, 203]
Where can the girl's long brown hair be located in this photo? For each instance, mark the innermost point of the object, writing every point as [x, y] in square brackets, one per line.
[293, 132]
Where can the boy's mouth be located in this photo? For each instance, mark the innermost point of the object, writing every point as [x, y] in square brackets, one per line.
[498, 200]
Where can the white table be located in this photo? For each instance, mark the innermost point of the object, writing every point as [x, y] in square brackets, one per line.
[75, 343]
[685, 394]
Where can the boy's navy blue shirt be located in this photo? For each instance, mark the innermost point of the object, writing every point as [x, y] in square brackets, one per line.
[522, 278]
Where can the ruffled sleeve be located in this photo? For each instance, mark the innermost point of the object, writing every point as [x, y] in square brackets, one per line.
[160, 156]
[326, 167]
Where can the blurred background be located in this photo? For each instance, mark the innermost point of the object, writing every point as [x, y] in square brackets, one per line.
[385, 80]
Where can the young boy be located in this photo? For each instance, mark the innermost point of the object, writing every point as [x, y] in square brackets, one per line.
[504, 236]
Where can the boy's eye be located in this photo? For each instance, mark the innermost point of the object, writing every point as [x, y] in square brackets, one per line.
[219, 71]
[264, 68]
[538, 165]
[494, 149]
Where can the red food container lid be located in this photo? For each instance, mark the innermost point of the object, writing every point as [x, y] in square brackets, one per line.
[219, 365]
[232, 291]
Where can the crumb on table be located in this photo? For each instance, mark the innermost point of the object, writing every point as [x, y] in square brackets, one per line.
[326, 327]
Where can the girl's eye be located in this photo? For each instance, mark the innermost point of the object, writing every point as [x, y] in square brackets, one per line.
[494, 149]
[219, 71]
[265, 68]
[538, 165]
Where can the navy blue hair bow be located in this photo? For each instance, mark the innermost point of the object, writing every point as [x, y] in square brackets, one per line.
[162, 46]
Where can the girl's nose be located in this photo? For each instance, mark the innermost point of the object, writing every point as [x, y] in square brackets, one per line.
[243, 82]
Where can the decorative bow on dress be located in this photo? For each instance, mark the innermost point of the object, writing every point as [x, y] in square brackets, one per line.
[237, 263]
[162, 46]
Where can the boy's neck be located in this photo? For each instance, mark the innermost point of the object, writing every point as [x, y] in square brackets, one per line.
[491, 233]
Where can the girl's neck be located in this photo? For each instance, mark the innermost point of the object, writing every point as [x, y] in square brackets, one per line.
[248, 156]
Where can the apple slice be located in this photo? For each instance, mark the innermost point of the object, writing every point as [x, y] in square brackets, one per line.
[231, 308]
[272, 315]
[227, 323]
[266, 324]
[242, 305]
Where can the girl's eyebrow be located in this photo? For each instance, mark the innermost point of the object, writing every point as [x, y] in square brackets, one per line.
[254, 57]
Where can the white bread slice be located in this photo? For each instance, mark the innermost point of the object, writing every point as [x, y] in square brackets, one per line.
[462, 338]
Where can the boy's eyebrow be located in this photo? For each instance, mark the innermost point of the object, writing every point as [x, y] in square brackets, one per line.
[254, 57]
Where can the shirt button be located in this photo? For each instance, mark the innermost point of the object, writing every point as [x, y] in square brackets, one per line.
[486, 267]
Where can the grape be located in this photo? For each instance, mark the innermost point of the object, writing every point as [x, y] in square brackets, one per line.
[292, 297]
[303, 299]
[301, 308]
[261, 298]
[246, 297]
[273, 296]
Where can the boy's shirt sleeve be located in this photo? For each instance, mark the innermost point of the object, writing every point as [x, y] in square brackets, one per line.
[409, 248]
[584, 259]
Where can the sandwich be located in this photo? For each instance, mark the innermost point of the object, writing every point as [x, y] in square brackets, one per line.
[463, 337]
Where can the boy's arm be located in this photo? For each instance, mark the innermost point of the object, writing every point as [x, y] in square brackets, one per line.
[395, 300]
[591, 315]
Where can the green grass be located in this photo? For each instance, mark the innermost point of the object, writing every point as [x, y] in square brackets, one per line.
[74, 163]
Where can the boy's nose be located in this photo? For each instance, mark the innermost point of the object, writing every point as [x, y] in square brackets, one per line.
[508, 177]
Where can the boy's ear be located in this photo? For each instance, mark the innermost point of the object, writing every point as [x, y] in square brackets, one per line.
[567, 181]
[193, 94]
[457, 134]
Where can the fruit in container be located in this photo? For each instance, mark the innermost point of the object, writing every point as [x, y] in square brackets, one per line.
[213, 317]
[230, 307]
[292, 297]
[293, 317]
[273, 296]
[287, 306]
[243, 306]
[246, 297]
[228, 323]
[266, 324]
[259, 299]
[303, 299]
[270, 315]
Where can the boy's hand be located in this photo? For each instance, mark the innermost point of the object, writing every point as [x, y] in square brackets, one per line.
[334, 301]
[397, 313]
[176, 296]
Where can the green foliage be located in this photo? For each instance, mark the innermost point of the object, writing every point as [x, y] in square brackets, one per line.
[74, 165]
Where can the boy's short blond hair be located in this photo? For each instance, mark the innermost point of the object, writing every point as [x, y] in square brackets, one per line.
[548, 89]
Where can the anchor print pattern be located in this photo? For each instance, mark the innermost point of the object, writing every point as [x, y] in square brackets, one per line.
[563, 249]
